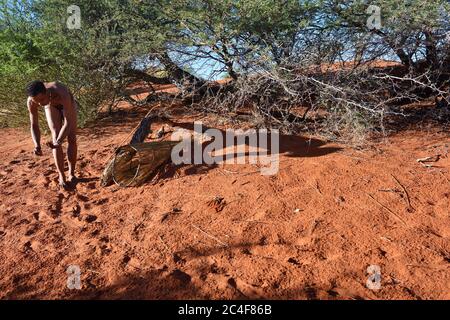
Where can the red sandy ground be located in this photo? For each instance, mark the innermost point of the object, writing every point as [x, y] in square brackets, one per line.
[309, 232]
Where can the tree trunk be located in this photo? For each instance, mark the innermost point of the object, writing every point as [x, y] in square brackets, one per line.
[177, 74]
[139, 136]
[141, 75]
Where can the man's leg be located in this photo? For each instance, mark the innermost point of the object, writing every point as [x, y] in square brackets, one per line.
[72, 155]
[72, 148]
[54, 120]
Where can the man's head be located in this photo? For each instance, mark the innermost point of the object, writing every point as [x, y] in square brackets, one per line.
[38, 93]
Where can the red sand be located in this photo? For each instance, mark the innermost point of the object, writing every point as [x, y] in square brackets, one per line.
[309, 232]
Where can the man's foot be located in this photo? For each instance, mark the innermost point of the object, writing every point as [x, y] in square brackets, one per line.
[62, 183]
[37, 151]
[73, 179]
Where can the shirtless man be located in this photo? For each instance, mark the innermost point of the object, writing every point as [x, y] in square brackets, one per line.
[61, 113]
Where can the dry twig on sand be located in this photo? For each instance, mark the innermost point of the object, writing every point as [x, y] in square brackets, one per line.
[318, 187]
[210, 236]
[408, 200]
[389, 210]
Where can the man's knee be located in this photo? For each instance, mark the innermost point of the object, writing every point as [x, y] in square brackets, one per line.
[55, 134]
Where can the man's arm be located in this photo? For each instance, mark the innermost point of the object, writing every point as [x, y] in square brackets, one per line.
[69, 119]
[34, 125]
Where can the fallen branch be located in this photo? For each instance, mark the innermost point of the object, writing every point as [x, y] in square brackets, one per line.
[435, 158]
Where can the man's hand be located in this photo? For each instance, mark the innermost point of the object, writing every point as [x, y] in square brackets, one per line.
[52, 145]
[37, 151]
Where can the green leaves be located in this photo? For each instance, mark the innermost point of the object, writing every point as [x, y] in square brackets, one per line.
[236, 36]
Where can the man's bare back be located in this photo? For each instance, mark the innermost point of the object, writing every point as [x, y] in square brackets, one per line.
[61, 113]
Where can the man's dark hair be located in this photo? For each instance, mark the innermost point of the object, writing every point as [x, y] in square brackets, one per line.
[35, 87]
